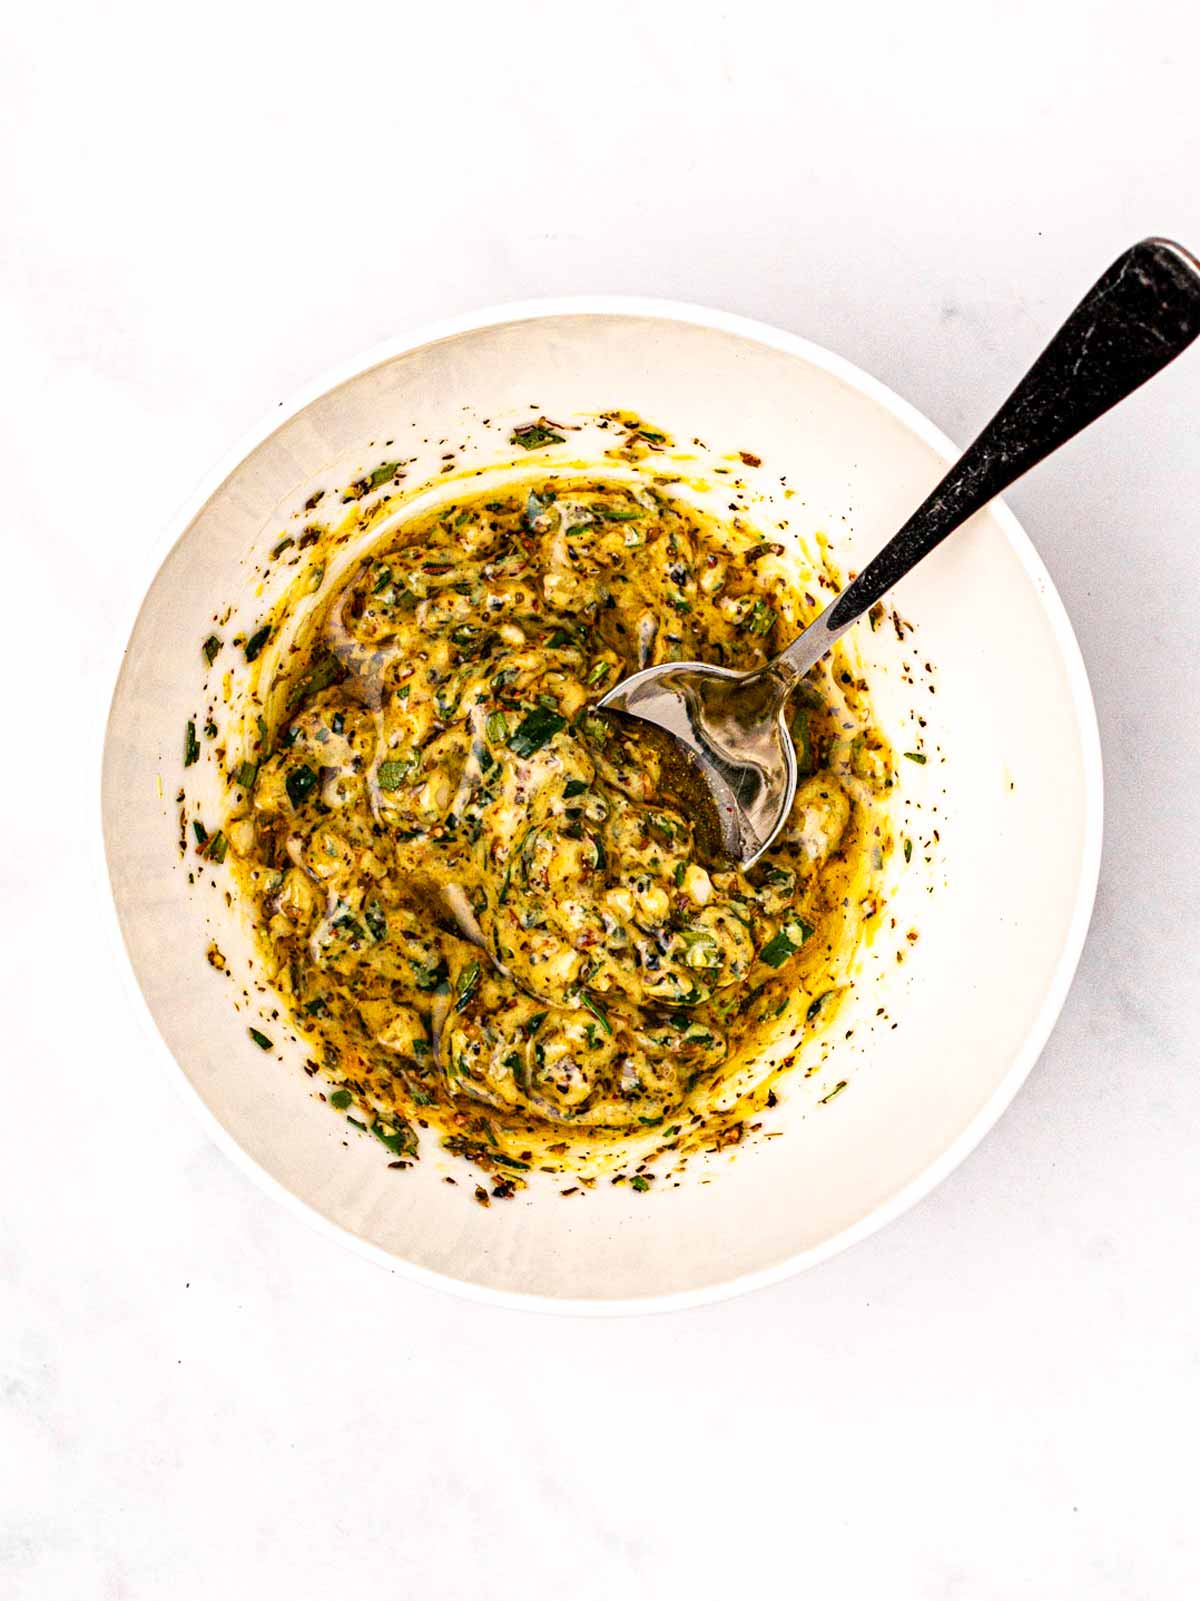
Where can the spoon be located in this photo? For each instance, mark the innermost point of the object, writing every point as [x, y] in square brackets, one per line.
[732, 726]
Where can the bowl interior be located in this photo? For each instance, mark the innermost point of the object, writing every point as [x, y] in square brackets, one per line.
[1003, 816]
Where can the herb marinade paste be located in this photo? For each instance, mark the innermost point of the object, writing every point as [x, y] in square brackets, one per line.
[477, 896]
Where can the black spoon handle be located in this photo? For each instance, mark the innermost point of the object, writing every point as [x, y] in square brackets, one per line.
[1141, 314]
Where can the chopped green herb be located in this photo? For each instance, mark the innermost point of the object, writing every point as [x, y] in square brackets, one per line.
[327, 670]
[281, 547]
[217, 846]
[381, 474]
[263, 1041]
[532, 434]
[599, 673]
[535, 730]
[802, 738]
[817, 1005]
[573, 787]
[639, 1183]
[376, 920]
[255, 643]
[431, 978]
[536, 508]
[786, 943]
[191, 745]
[390, 775]
[916, 756]
[908, 850]
[246, 774]
[212, 649]
[760, 619]
[300, 783]
[496, 727]
[468, 983]
[834, 1092]
[341, 1099]
[622, 514]
[597, 1011]
[403, 1142]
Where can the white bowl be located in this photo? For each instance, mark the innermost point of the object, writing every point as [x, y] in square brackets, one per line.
[1000, 902]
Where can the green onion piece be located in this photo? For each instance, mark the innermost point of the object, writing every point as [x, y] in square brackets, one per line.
[341, 1099]
[261, 1040]
[573, 787]
[908, 850]
[281, 547]
[246, 774]
[915, 756]
[191, 745]
[212, 649]
[639, 1183]
[496, 727]
[217, 846]
[599, 673]
[385, 470]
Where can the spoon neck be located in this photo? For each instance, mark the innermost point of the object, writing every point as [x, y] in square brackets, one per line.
[804, 652]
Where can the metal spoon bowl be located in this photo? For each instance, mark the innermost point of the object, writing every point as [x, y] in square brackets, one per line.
[731, 728]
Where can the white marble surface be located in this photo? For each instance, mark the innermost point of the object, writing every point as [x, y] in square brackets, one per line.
[995, 1398]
